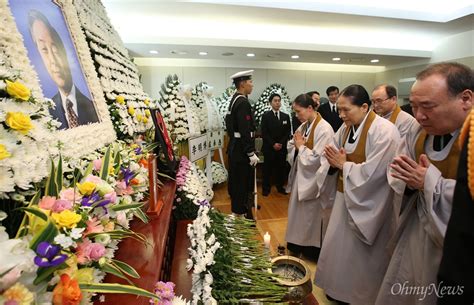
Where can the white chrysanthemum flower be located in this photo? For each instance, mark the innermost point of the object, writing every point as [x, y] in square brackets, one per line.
[64, 241]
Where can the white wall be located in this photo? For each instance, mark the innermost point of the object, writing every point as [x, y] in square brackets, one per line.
[295, 81]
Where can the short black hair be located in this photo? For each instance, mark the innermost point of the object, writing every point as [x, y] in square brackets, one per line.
[311, 93]
[458, 76]
[358, 95]
[331, 89]
[390, 90]
[270, 99]
[304, 100]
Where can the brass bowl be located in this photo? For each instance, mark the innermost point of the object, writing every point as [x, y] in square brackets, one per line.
[295, 274]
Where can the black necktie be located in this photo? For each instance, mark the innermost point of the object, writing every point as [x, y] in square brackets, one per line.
[276, 115]
[440, 142]
[333, 107]
[71, 115]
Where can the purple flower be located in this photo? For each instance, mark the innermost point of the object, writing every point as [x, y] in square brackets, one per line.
[127, 175]
[204, 202]
[90, 200]
[48, 255]
[138, 151]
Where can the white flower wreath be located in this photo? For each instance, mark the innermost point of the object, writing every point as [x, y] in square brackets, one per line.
[263, 104]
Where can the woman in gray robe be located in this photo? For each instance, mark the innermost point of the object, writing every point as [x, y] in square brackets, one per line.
[312, 195]
[353, 258]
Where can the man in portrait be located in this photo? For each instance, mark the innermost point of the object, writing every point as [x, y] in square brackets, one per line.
[72, 107]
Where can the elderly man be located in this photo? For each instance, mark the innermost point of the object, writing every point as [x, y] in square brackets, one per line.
[72, 108]
[423, 176]
[384, 100]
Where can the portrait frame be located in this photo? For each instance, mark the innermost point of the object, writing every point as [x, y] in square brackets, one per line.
[80, 140]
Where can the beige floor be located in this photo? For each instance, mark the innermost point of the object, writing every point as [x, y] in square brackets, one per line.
[271, 218]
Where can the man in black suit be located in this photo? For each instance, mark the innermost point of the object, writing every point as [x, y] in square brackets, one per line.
[72, 108]
[329, 110]
[275, 132]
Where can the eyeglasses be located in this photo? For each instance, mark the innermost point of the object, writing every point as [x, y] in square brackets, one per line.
[379, 101]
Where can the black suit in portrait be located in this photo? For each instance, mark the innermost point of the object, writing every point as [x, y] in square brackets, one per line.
[330, 116]
[274, 130]
[85, 108]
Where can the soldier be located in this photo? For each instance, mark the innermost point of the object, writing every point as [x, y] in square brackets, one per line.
[241, 151]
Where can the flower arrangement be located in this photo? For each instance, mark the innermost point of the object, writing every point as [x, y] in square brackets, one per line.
[72, 230]
[174, 109]
[263, 104]
[228, 263]
[199, 102]
[219, 173]
[223, 102]
[119, 78]
[25, 126]
[192, 190]
[166, 296]
[192, 112]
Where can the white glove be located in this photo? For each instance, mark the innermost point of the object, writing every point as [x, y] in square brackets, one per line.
[254, 160]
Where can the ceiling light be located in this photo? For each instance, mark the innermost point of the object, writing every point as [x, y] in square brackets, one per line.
[153, 51]
[227, 54]
[250, 55]
[203, 53]
[336, 59]
[374, 60]
[295, 56]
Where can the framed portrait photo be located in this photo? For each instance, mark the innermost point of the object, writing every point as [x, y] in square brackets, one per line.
[59, 55]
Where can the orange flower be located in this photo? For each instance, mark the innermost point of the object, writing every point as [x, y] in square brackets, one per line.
[67, 292]
[134, 181]
[143, 162]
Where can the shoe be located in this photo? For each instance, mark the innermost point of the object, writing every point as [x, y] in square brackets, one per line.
[282, 191]
[265, 193]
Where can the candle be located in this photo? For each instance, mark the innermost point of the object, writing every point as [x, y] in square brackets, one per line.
[266, 240]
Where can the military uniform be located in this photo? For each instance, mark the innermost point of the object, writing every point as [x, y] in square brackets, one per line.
[241, 130]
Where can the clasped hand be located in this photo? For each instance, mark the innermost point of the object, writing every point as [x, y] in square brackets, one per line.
[335, 157]
[410, 172]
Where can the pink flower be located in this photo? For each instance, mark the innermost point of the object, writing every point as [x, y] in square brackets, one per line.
[123, 189]
[93, 179]
[88, 251]
[93, 226]
[61, 205]
[112, 196]
[10, 278]
[47, 202]
[122, 219]
[97, 164]
[70, 194]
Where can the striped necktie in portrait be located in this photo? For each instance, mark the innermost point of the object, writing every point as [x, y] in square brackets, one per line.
[71, 115]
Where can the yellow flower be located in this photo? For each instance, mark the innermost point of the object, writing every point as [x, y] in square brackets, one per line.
[71, 269]
[19, 121]
[139, 117]
[131, 110]
[120, 100]
[145, 120]
[18, 90]
[86, 188]
[147, 113]
[66, 219]
[147, 102]
[4, 152]
[85, 275]
[19, 293]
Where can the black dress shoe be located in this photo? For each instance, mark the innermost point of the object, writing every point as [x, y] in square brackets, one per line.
[265, 194]
[282, 191]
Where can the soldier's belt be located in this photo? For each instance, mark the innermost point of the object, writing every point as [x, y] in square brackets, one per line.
[238, 135]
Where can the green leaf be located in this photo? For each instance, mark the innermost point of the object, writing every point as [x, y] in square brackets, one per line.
[88, 170]
[51, 188]
[36, 198]
[35, 211]
[77, 177]
[122, 207]
[109, 268]
[46, 273]
[126, 268]
[59, 174]
[47, 234]
[104, 171]
[140, 215]
[117, 288]
[117, 163]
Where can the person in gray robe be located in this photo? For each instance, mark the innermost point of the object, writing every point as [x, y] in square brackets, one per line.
[423, 177]
[312, 192]
[384, 100]
[353, 257]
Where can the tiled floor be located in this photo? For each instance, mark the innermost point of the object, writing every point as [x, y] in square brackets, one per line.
[271, 218]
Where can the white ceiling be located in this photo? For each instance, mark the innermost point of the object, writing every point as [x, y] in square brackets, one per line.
[274, 30]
